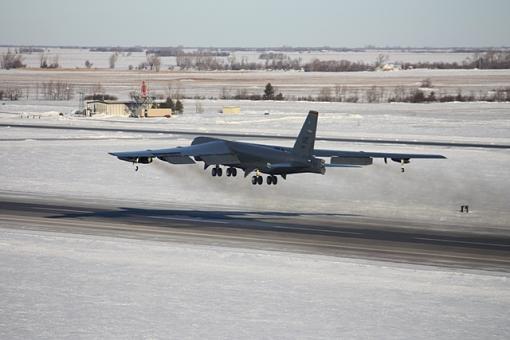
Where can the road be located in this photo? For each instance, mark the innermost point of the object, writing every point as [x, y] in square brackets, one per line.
[327, 234]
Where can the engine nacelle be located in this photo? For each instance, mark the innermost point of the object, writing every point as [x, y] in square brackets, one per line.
[144, 160]
[401, 160]
[140, 160]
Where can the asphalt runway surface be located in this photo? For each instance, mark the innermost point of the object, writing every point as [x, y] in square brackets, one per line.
[265, 136]
[327, 234]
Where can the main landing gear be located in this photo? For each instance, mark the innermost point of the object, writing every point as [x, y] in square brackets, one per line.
[231, 172]
[217, 171]
[271, 179]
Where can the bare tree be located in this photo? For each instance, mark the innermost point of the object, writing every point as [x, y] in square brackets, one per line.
[381, 60]
[154, 62]
[225, 93]
[198, 107]
[372, 95]
[325, 94]
[11, 93]
[55, 62]
[10, 60]
[57, 90]
[43, 60]
[97, 89]
[399, 94]
[113, 59]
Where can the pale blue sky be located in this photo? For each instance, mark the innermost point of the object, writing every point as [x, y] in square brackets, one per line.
[354, 23]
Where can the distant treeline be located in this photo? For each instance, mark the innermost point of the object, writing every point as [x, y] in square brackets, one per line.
[117, 49]
[179, 51]
[280, 61]
[221, 60]
[426, 93]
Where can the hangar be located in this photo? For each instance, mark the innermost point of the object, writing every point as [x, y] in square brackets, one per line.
[124, 109]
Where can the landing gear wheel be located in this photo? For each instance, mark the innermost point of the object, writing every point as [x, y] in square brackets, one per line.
[214, 172]
[254, 180]
[219, 171]
[229, 172]
[234, 172]
[260, 180]
[269, 180]
[275, 180]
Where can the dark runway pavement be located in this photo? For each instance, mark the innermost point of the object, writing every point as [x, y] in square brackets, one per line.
[307, 232]
[251, 136]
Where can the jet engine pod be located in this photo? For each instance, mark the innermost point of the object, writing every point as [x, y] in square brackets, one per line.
[401, 160]
[352, 160]
[143, 160]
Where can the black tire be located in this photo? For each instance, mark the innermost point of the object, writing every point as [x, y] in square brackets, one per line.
[214, 172]
[254, 180]
[260, 180]
[234, 172]
[269, 180]
[275, 180]
[229, 172]
[220, 172]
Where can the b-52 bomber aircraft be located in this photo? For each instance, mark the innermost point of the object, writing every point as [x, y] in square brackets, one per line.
[265, 159]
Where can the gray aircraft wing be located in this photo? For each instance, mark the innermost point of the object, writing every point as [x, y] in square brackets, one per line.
[363, 154]
[214, 152]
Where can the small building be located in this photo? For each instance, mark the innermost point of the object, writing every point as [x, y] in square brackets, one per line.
[120, 108]
[231, 109]
[109, 108]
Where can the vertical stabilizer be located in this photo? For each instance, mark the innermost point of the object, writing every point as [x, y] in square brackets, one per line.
[306, 139]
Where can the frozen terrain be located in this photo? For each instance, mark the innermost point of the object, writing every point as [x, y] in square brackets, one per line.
[75, 163]
[57, 286]
[291, 84]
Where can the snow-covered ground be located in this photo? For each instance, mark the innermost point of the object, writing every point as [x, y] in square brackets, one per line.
[120, 82]
[56, 286]
[449, 122]
[77, 164]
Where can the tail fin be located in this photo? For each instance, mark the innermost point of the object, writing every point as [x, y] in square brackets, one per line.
[306, 139]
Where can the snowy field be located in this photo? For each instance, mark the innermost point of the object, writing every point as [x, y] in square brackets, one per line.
[292, 84]
[57, 286]
[449, 122]
[77, 286]
[76, 162]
